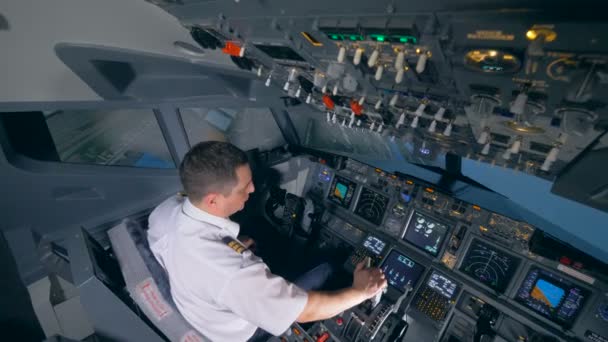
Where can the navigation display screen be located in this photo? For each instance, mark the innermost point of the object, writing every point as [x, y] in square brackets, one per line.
[342, 191]
[489, 265]
[551, 296]
[442, 284]
[399, 270]
[426, 233]
[371, 206]
[374, 245]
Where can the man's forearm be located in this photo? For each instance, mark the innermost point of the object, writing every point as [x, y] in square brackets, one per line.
[324, 305]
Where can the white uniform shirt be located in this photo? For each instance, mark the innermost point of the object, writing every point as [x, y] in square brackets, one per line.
[223, 294]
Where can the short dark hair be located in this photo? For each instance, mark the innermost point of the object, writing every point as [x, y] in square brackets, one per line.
[210, 166]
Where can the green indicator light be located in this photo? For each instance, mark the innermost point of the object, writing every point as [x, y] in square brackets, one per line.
[380, 38]
[334, 37]
[407, 39]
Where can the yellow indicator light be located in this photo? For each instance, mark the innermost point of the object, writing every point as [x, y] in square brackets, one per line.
[538, 32]
[492, 53]
[429, 190]
[483, 229]
[378, 170]
[311, 39]
[409, 182]
[476, 207]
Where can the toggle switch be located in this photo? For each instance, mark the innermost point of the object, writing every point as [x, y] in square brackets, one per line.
[341, 54]
[421, 64]
[401, 120]
[393, 100]
[399, 60]
[483, 137]
[357, 57]
[378, 104]
[432, 126]
[399, 76]
[448, 130]
[486, 149]
[420, 109]
[414, 123]
[439, 114]
[379, 71]
[373, 58]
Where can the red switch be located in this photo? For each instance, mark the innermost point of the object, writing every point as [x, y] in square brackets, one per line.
[339, 321]
[232, 49]
[564, 260]
[356, 107]
[323, 337]
[329, 103]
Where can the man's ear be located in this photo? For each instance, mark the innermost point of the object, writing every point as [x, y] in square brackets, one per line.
[210, 200]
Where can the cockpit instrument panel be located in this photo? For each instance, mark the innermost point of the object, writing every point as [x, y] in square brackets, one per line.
[552, 296]
[442, 285]
[374, 245]
[399, 270]
[342, 191]
[426, 233]
[489, 265]
[371, 206]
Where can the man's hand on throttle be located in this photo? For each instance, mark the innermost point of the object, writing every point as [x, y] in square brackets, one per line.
[369, 281]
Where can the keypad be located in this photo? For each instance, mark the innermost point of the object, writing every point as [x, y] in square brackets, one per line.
[432, 304]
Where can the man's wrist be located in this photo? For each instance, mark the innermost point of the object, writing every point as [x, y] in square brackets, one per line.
[358, 294]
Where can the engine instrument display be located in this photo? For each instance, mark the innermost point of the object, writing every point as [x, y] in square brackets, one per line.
[551, 296]
[374, 245]
[489, 266]
[371, 206]
[399, 270]
[442, 284]
[426, 233]
[342, 191]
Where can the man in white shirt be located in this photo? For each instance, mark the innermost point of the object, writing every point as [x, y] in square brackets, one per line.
[218, 285]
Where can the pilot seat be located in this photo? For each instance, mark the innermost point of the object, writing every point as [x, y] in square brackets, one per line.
[148, 283]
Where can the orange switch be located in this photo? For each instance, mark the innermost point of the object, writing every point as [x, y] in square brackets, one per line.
[323, 337]
[329, 103]
[356, 107]
[232, 49]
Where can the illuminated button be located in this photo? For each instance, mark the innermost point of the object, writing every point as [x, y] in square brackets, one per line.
[323, 337]
[339, 321]
[296, 331]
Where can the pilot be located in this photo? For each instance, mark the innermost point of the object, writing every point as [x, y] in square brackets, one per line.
[220, 287]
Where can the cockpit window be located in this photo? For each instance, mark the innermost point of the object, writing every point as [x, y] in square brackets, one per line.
[247, 128]
[316, 131]
[123, 137]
